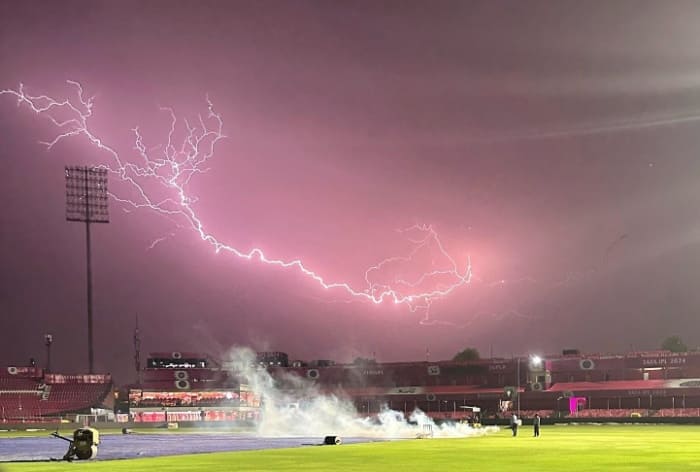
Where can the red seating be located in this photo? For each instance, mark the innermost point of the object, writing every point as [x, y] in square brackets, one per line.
[18, 383]
[26, 399]
[611, 413]
[678, 412]
[532, 413]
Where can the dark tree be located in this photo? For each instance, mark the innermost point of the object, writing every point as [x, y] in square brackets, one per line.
[469, 354]
[674, 344]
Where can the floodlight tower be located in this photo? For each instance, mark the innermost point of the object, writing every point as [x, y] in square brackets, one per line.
[86, 202]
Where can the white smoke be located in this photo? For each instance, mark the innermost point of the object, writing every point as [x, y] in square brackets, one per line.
[300, 409]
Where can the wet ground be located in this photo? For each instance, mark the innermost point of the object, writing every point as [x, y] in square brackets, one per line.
[150, 445]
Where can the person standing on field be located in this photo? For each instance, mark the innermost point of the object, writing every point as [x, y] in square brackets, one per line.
[536, 425]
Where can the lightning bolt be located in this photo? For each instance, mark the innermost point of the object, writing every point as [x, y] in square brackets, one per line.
[171, 167]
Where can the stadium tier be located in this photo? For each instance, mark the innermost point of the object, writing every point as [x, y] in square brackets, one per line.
[638, 383]
[181, 386]
[188, 385]
[28, 393]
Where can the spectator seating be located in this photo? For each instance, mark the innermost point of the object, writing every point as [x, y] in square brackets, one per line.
[32, 398]
[677, 412]
[609, 413]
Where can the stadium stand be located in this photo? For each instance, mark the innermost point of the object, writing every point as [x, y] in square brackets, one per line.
[677, 412]
[28, 394]
[532, 413]
[610, 413]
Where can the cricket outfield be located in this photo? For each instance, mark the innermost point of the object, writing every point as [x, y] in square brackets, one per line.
[562, 447]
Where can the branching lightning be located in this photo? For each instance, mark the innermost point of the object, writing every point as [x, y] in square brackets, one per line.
[172, 166]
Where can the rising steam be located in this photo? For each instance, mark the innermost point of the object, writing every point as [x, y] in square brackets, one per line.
[301, 409]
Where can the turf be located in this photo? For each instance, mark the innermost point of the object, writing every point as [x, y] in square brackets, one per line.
[570, 448]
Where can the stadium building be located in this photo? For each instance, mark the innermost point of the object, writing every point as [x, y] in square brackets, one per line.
[657, 383]
[182, 386]
[191, 387]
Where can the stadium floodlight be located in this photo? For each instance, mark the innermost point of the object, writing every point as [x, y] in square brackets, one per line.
[86, 194]
[535, 361]
[86, 202]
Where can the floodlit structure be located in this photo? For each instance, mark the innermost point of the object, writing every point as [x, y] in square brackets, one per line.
[86, 202]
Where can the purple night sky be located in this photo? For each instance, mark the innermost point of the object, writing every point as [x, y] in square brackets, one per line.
[553, 143]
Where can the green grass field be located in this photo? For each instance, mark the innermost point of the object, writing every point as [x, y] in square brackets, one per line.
[566, 448]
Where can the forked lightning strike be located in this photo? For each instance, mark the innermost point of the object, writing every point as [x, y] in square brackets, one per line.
[178, 162]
